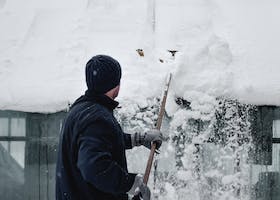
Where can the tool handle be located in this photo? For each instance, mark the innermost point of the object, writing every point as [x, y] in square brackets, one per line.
[149, 164]
[158, 126]
[153, 147]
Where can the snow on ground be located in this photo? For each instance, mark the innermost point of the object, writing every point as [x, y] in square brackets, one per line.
[226, 48]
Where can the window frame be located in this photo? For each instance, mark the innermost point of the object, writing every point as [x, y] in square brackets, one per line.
[276, 140]
[9, 138]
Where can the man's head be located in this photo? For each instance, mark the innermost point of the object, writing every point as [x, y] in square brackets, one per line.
[103, 75]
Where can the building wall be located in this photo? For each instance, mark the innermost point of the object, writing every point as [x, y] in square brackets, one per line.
[36, 175]
[35, 178]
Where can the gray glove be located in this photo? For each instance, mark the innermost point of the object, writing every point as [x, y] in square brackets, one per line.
[139, 187]
[147, 138]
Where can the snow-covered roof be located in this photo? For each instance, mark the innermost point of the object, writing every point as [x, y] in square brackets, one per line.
[226, 48]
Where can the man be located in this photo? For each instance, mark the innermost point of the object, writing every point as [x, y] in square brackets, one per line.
[91, 158]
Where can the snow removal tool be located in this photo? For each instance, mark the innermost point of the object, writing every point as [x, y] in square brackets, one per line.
[158, 126]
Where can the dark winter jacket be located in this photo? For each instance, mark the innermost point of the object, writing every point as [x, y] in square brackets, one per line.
[91, 158]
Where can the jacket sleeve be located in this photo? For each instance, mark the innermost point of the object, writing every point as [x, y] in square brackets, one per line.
[127, 140]
[95, 160]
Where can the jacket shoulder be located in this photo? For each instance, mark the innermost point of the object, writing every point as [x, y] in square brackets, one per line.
[87, 113]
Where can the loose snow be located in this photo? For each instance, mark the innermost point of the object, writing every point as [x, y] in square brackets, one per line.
[226, 48]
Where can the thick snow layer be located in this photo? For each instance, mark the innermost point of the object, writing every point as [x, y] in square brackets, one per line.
[226, 48]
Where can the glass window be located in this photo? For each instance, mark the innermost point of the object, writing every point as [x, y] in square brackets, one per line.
[276, 147]
[276, 128]
[275, 166]
[266, 177]
[28, 144]
[4, 144]
[17, 152]
[13, 127]
[17, 126]
[4, 126]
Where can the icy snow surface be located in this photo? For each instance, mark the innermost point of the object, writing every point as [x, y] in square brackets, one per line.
[226, 48]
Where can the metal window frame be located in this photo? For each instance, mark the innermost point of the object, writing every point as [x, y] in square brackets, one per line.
[9, 114]
[276, 117]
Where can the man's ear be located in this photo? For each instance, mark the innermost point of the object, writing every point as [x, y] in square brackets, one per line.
[113, 93]
[116, 91]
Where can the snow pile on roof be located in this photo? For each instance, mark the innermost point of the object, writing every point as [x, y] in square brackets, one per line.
[226, 48]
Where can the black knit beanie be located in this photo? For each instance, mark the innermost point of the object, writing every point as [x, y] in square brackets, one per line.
[103, 73]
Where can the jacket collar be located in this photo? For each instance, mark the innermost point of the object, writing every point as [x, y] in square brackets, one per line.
[97, 98]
